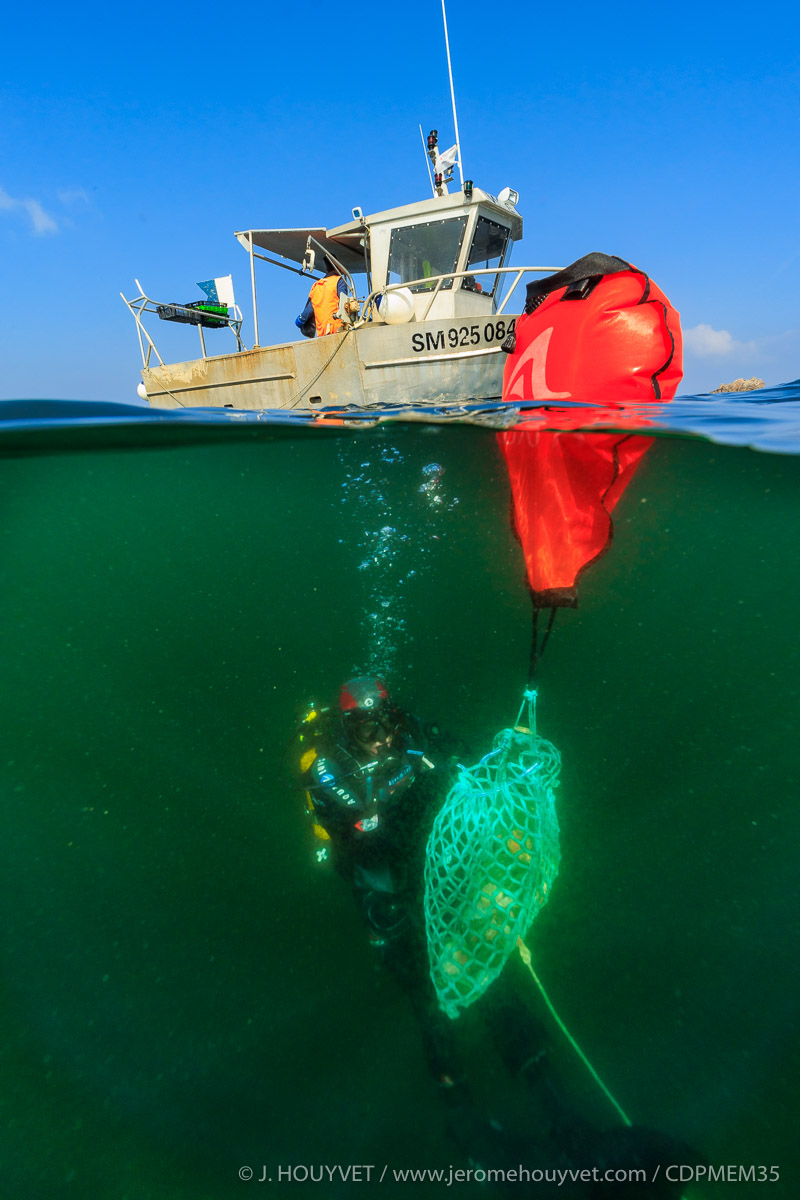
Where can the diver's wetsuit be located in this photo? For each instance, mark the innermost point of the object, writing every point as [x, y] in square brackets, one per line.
[378, 814]
[365, 805]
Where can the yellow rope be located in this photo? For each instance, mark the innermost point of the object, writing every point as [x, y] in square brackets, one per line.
[525, 955]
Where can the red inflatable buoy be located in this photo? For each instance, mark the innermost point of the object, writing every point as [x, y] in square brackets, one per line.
[601, 332]
[564, 488]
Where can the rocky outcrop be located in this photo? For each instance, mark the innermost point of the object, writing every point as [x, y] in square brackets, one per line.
[740, 385]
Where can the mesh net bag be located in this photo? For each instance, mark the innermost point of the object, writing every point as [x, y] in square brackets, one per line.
[491, 859]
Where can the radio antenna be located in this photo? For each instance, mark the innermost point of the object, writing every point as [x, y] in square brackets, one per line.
[452, 94]
[427, 160]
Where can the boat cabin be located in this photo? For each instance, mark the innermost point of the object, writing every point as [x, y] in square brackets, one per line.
[461, 237]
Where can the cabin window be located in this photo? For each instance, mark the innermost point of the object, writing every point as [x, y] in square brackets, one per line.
[420, 251]
[488, 249]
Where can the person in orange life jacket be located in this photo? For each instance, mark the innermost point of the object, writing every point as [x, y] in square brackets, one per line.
[319, 315]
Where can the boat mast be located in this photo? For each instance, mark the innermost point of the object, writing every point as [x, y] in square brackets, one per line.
[452, 93]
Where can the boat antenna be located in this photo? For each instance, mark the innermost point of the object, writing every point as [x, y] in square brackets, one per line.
[452, 94]
[427, 160]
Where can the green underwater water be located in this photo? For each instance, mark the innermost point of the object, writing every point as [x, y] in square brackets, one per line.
[187, 992]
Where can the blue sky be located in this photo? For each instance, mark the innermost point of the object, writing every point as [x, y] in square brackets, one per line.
[134, 141]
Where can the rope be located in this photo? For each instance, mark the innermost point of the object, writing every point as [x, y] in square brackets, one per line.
[538, 651]
[174, 397]
[525, 955]
[529, 698]
[296, 399]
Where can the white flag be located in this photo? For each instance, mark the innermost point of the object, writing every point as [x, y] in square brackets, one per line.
[219, 291]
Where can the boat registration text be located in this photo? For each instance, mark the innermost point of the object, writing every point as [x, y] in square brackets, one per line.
[477, 334]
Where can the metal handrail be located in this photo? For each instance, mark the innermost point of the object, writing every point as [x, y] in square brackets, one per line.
[144, 304]
[139, 305]
[438, 280]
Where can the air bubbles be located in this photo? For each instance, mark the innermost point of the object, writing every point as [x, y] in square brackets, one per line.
[433, 489]
[390, 524]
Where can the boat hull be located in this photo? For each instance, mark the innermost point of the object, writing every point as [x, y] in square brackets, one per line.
[433, 362]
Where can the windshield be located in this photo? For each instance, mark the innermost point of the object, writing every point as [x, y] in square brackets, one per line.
[419, 251]
[487, 250]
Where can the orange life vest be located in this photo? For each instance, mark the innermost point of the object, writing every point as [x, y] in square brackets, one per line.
[324, 297]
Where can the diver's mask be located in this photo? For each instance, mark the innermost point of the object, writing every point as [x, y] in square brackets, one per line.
[373, 734]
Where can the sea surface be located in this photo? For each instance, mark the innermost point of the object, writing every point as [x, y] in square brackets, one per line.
[187, 992]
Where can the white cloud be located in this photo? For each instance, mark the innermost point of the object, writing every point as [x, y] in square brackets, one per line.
[41, 221]
[705, 342]
[73, 198]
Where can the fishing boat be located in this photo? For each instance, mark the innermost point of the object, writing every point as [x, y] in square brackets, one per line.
[429, 302]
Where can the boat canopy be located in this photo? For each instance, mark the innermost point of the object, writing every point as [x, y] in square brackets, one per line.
[291, 244]
[414, 244]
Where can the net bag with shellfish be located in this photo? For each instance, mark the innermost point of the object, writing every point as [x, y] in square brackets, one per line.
[491, 860]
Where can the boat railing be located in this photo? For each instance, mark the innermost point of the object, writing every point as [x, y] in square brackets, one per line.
[435, 283]
[369, 308]
[184, 313]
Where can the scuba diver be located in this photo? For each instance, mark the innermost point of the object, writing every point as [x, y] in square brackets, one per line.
[375, 777]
